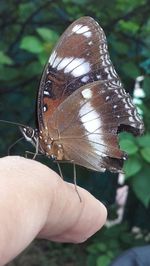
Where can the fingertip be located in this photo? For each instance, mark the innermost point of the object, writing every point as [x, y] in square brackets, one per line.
[92, 219]
[79, 220]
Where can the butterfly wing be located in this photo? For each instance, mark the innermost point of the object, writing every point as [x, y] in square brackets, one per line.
[88, 122]
[80, 57]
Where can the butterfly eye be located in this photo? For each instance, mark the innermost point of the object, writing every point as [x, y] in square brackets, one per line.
[28, 132]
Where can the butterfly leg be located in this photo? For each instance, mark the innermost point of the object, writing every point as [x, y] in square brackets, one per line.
[75, 181]
[60, 171]
[33, 153]
[28, 152]
[58, 164]
[37, 149]
[13, 144]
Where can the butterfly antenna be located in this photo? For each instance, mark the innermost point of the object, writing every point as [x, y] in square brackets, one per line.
[13, 144]
[11, 123]
[75, 181]
[59, 169]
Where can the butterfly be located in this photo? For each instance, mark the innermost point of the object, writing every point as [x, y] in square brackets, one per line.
[81, 103]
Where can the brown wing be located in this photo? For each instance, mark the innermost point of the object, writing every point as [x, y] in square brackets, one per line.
[88, 122]
[80, 57]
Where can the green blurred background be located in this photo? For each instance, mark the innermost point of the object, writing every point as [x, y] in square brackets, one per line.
[28, 32]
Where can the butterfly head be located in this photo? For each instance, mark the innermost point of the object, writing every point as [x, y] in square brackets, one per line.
[30, 134]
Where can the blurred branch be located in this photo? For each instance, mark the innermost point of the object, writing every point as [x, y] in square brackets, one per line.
[11, 21]
[143, 10]
[135, 39]
[28, 21]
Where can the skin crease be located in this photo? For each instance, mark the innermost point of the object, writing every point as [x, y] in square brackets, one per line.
[36, 202]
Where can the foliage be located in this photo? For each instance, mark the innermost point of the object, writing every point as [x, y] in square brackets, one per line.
[110, 243]
[28, 35]
[137, 167]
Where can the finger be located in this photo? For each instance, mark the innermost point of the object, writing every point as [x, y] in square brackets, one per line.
[40, 203]
[76, 221]
[70, 220]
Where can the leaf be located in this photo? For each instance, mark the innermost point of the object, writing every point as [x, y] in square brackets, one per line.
[79, 2]
[144, 141]
[25, 9]
[146, 154]
[31, 70]
[42, 58]
[131, 70]
[47, 34]
[120, 47]
[132, 166]
[146, 65]
[126, 238]
[110, 254]
[8, 73]
[5, 59]
[113, 244]
[93, 249]
[91, 260]
[129, 26]
[102, 247]
[103, 260]
[128, 146]
[126, 135]
[141, 185]
[31, 44]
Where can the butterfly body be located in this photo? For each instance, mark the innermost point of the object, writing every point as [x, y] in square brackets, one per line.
[82, 105]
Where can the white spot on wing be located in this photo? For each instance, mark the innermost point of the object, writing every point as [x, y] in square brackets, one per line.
[76, 27]
[46, 93]
[64, 63]
[77, 67]
[52, 57]
[87, 93]
[84, 68]
[56, 61]
[130, 112]
[131, 119]
[82, 29]
[44, 108]
[90, 43]
[85, 114]
[85, 79]
[92, 123]
[87, 34]
[74, 63]
[90, 116]
[126, 106]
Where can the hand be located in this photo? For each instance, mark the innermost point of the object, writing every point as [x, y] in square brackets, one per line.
[36, 202]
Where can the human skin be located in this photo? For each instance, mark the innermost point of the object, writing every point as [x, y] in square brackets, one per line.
[36, 203]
